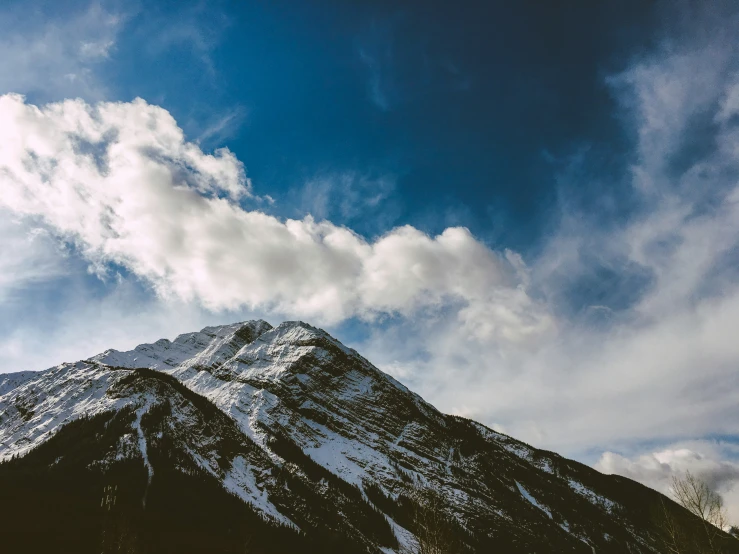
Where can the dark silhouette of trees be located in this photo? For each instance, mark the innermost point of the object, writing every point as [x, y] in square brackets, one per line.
[432, 524]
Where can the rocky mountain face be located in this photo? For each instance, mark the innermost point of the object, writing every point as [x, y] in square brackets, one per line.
[249, 438]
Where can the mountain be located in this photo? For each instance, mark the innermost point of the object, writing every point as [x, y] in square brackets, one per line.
[249, 438]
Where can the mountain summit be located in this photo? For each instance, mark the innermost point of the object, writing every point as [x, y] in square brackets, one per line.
[253, 438]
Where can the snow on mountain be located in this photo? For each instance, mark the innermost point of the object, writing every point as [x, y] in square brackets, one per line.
[288, 420]
[9, 381]
[210, 345]
[39, 403]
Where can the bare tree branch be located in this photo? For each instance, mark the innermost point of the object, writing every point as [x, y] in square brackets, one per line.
[698, 498]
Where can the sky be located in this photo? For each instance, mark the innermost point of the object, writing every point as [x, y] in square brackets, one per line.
[527, 214]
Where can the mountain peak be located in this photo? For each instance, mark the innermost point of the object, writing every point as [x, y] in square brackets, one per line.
[291, 324]
[299, 333]
[252, 328]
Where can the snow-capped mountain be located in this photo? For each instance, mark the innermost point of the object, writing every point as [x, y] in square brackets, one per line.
[251, 438]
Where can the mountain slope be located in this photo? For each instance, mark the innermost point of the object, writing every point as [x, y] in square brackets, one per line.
[312, 440]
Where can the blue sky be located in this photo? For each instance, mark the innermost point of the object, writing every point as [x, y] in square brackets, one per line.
[527, 214]
[431, 99]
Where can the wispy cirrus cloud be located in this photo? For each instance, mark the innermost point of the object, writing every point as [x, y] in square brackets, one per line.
[377, 80]
[365, 202]
[30, 257]
[57, 58]
[375, 51]
[221, 127]
[197, 26]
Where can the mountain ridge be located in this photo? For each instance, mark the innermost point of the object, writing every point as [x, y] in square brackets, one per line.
[262, 410]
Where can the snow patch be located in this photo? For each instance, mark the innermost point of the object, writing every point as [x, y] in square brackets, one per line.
[519, 450]
[142, 444]
[240, 481]
[532, 500]
[591, 496]
[407, 541]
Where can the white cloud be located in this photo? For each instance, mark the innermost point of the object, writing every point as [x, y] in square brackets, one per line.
[120, 182]
[56, 58]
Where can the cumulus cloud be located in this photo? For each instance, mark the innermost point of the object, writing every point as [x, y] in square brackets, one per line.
[120, 182]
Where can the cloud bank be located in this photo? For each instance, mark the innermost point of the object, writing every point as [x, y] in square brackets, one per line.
[120, 182]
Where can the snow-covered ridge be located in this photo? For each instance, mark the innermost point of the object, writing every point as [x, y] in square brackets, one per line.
[296, 383]
[42, 402]
[9, 381]
[202, 346]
